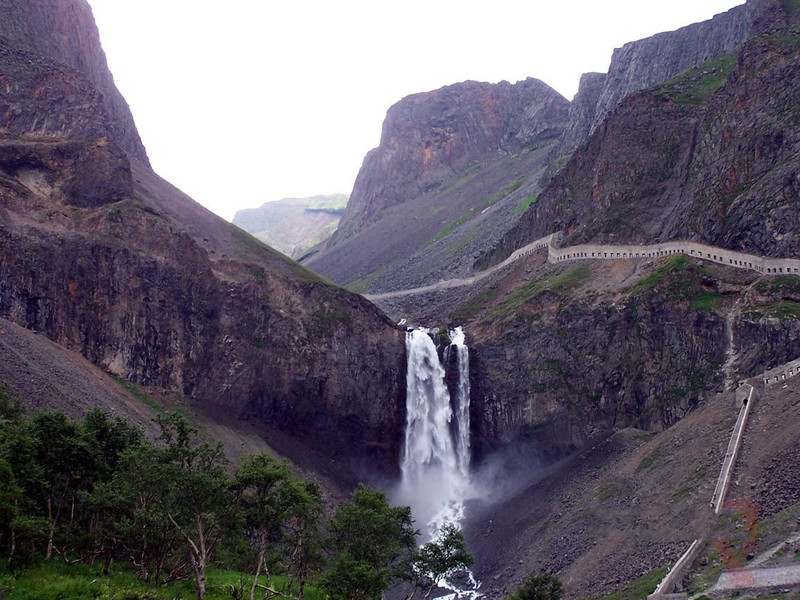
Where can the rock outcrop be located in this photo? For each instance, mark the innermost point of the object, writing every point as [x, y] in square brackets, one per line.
[57, 42]
[446, 158]
[429, 139]
[105, 258]
[294, 225]
[582, 111]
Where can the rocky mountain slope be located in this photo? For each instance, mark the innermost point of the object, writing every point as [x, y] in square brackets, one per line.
[418, 214]
[103, 257]
[294, 225]
[566, 359]
[446, 159]
[710, 155]
[619, 513]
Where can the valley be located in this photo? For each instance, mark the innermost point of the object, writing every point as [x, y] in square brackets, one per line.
[599, 284]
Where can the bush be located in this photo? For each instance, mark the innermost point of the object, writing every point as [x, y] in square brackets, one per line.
[539, 586]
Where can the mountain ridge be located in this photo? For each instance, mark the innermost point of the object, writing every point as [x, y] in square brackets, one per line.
[294, 225]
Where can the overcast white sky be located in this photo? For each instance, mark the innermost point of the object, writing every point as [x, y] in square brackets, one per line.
[245, 101]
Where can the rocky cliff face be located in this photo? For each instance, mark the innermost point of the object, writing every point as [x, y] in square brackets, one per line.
[710, 156]
[105, 258]
[429, 139]
[578, 351]
[294, 225]
[63, 33]
[644, 63]
[582, 111]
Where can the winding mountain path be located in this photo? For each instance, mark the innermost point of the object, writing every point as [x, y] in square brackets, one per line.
[555, 255]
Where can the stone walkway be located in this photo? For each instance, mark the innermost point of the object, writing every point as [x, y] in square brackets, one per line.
[744, 394]
[764, 578]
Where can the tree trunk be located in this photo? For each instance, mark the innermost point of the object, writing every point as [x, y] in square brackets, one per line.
[430, 589]
[50, 530]
[258, 569]
[199, 564]
[200, 557]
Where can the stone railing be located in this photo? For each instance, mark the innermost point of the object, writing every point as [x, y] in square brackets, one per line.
[676, 573]
[781, 373]
[744, 399]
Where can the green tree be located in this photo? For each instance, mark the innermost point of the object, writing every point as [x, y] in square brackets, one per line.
[539, 586]
[67, 464]
[440, 558]
[23, 484]
[101, 508]
[280, 509]
[369, 540]
[302, 530]
[10, 494]
[138, 492]
[199, 502]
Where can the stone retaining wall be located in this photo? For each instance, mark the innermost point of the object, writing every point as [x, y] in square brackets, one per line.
[768, 266]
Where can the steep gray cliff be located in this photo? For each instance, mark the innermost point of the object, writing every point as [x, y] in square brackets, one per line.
[63, 32]
[647, 62]
[582, 111]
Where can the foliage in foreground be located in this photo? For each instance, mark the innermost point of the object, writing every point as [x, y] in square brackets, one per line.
[539, 586]
[54, 580]
[92, 509]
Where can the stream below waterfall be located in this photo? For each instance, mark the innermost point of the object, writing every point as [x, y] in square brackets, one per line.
[436, 455]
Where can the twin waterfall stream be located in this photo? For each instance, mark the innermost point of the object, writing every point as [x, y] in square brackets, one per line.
[435, 462]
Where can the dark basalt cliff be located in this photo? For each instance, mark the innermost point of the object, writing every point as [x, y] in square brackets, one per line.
[567, 365]
[429, 139]
[102, 256]
[64, 34]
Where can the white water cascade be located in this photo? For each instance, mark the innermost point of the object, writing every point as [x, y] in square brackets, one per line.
[435, 463]
[462, 399]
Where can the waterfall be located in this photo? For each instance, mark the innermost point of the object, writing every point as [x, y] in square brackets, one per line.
[462, 448]
[435, 463]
